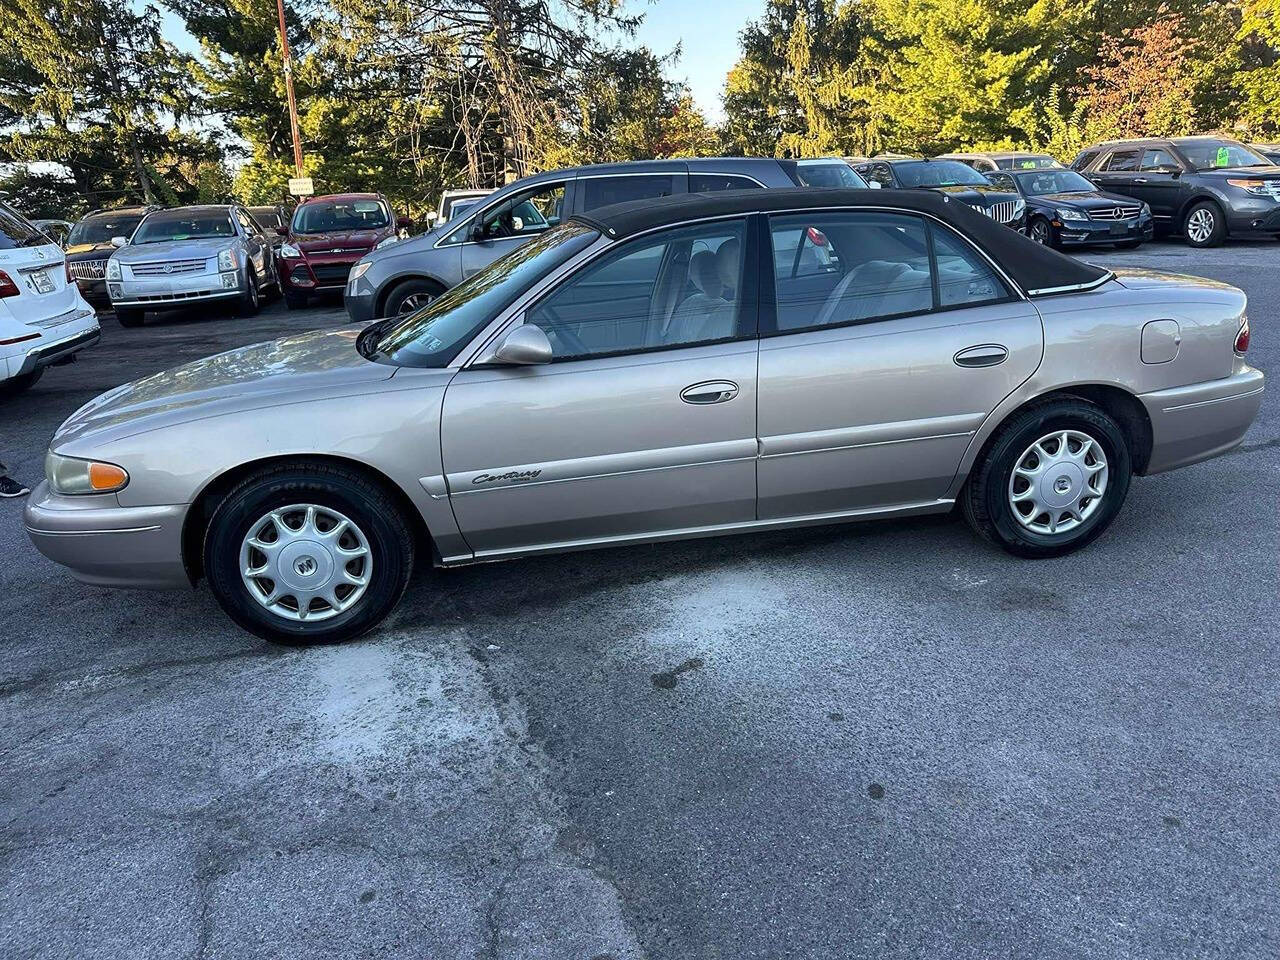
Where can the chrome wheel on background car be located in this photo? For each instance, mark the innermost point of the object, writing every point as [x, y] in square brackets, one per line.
[1041, 232]
[1058, 482]
[415, 301]
[1204, 226]
[306, 562]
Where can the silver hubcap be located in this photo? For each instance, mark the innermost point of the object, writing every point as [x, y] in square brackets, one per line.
[306, 562]
[415, 301]
[1200, 225]
[1058, 482]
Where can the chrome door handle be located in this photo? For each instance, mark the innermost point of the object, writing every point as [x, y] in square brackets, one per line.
[1139, 179]
[983, 355]
[709, 391]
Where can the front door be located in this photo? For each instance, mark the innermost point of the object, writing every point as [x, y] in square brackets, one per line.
[1159, 183]
[879, 360]
[645, 421]
[509, 224]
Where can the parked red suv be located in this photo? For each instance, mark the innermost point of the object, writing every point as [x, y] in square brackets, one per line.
[326, 236]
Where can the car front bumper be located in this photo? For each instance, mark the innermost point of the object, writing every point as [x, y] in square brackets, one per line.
[1085, 232]
[95, 292]
[103, 543]
[164, 293]
[1254, 215]
[1202, 420]
[317, 275]
[360, 299]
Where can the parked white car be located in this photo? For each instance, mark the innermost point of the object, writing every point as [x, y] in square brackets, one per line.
[43, 318]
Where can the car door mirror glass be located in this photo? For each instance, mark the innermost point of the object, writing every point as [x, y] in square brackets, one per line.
[524, 345]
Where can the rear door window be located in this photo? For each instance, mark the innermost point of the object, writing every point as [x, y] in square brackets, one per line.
[712, 182]
[603, 191]
[1121, 161]
[16, 231]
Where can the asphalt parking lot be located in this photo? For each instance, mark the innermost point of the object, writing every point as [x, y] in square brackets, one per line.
[885, 740]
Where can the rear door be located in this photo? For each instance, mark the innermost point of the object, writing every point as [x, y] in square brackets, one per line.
[644, 423]
[873, 381]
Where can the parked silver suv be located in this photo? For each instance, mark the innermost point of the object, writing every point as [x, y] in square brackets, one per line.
[191, 255]
[411, 274]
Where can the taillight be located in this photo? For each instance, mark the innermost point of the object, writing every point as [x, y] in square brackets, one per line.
[7, 287]
[1242, 338]
[817, 237]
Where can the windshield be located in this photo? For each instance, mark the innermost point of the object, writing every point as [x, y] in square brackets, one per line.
[1210, 154]
[828, 174]
[1041, 182]
[101, 229]
[460, 206]
[332, 215]
[938, 173]
[17, 231]
[1036, 162]
[268, 217]
[178, 225]
[433, 336]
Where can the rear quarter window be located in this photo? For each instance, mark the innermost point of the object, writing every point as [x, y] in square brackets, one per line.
[603, 191]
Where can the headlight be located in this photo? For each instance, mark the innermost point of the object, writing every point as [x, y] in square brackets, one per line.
[289, 250]
[1019, 207]
[1066, 213]
[359, 270]
[71, 477]
[1145, 211]
[1257, 187]
[113, 269]
[387, 242]
[227, 259]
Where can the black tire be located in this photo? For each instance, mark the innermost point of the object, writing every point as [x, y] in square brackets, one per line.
[985, 500]
[364, 502]
[1217, 231]
[16, 385]
[251, 300]
[129, 316]
[1039, 228]
[295, 301]
[1129, 245]
[410, 295]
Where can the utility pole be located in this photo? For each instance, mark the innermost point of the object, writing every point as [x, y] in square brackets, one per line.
[288, 84]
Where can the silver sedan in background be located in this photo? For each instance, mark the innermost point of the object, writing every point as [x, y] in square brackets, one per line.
[680, 367]
[189, 255]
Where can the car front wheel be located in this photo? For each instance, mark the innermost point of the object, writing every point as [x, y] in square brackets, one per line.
[1041, 231]
[1051, 481]
[1205, 226]
[251, 299]
[308, 554]
[409, 296]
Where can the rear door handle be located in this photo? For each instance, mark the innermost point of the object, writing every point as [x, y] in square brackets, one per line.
[709, 391]
[1139, 179]
[983, 355]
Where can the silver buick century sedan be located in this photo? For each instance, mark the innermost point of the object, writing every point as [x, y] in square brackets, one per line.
[188, 255]
[684, 367]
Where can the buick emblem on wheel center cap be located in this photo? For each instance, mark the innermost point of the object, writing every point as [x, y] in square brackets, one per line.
[305, 566]
[1062, 484]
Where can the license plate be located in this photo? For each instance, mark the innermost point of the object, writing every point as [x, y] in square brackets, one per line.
[41, 281]
[1119, 229]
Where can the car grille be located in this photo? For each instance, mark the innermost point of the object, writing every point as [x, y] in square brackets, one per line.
[172, 268]
[169, 297]
[1002, 212]
[331, 272]
[87, 269]
[1121, 211]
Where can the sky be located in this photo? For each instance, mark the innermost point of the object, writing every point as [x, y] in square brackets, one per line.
[706, 30]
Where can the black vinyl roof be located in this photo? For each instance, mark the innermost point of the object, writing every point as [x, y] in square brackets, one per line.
[1036, 269]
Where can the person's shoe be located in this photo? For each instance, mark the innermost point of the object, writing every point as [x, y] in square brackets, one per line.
[10, 488]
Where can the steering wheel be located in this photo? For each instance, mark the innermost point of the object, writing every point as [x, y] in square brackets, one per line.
[562, 333]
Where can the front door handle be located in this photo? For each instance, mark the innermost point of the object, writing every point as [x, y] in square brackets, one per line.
[709, 391]
[1139, 179]
[983, 355]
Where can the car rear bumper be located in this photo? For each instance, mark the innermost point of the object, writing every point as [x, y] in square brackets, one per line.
[52, 351]
[101, 542]
[1201, 420]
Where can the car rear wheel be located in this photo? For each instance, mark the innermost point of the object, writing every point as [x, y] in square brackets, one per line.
[409, 296]
[1205, 225]
[1051, 480]
[251, 300]
[129, 317]
[308, 554]
[1041, 231]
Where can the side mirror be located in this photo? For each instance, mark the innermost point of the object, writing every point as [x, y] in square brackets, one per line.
[523, 345]
[119, 242]
[874, 184]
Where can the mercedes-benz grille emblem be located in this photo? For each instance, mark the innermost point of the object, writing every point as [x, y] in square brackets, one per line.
[168, 268]
[1119, 213]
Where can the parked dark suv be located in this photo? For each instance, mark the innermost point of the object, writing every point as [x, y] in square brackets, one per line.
[89, 247]
[957, 180]
[408, 275]
[1205, 188]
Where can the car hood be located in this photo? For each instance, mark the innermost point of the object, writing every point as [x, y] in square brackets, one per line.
[974, 193]
[1085, 201]
[86, 251]
[1271, 172]
[339, 241]
[319, 364]
[201, 249]
[419, 244]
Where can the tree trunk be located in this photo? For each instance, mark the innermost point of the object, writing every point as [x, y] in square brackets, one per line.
[121, 110]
